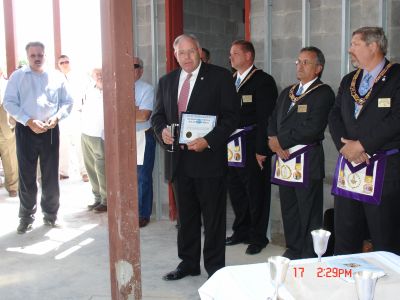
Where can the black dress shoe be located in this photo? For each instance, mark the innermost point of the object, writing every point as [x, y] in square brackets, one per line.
[24, 227]
[179, 274]
[93, 206]
[100, 208]
[232, 240]
[50, 223]
[143, 222]
[254, 249]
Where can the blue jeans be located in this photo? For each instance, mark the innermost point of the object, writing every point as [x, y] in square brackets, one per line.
[145, 177]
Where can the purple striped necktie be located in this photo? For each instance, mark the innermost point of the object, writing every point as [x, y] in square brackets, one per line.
[184, 94]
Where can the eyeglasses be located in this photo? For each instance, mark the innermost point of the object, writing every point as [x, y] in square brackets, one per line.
[137, 66]
[305, 62]
[64, 62]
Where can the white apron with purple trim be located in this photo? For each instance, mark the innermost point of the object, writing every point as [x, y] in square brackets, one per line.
[294, 170]
[237, 147]
[361, 182]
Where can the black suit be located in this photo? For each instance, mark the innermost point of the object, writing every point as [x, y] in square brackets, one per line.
[377, 128]
[249, 186]
[199, 178]
[302, 207]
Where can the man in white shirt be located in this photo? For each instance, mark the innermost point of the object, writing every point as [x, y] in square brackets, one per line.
[70, 129]
[144, 98]
[37, 99]
[93, 141]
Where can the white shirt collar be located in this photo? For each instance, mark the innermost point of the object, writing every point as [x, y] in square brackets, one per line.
[243, 76]
[307, 85]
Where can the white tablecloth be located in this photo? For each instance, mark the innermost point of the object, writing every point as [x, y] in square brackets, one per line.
[252, 281]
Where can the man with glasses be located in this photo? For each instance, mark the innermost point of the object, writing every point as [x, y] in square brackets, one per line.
[364, 124]
[198, 168]
[295, 133]
[70, 129]
[37, 99]
[146, 143]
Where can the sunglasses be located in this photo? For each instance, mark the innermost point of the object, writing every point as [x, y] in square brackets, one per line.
[137, 66]
[64, 62]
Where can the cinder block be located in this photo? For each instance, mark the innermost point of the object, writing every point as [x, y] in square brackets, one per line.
[194, 7]
[189, 22]
[203, 24]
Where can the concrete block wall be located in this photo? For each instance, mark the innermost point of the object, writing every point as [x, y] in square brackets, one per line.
[325, 33]
[216, 23]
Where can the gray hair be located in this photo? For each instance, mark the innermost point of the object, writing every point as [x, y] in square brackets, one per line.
[34, 44]
[186, 36]
[373, 34]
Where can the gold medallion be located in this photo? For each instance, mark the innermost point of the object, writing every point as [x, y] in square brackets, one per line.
[286, 172]
[230, 154]
[354, 180]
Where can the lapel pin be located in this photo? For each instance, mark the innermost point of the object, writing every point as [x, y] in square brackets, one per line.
[201, 78]
[384, 78]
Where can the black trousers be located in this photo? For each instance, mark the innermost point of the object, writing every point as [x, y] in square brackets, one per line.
[301, 214]
[250, 193]
[30, 148]
[353, 218]
[196, 197]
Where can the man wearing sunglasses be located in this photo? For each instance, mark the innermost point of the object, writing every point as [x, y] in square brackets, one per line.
[70, 129]
[146, 143]
[295, 133]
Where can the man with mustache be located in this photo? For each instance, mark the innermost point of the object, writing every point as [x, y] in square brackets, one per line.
[364, 124]
[37, 99]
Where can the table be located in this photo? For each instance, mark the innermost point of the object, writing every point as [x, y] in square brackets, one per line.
[252, 281]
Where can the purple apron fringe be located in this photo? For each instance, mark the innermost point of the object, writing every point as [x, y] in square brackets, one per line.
[375, 198]
[235, 138]
[297, 154]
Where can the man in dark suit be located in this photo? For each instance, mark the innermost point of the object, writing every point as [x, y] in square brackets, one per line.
[295, 132]
[249, 181]
[198, 169]
[363, 122]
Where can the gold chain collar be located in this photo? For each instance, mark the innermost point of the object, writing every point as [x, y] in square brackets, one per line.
[361, 100]
[295, 98]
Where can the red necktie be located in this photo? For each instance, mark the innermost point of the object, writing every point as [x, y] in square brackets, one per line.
[184, 94]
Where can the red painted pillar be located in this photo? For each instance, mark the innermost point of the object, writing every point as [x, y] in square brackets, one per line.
[9, 28]
[56, 30]
[247, 27]
[173, 28]
[120, 148]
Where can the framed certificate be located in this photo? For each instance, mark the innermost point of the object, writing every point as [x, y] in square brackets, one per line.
[195, 126]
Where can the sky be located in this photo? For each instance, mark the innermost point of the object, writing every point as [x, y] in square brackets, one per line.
[80, 30]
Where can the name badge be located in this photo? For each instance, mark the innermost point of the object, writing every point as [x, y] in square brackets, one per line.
[384, 102]
[247, 98]
[302, 108]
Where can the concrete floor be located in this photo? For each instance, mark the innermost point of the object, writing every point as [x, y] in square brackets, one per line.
[72, 262]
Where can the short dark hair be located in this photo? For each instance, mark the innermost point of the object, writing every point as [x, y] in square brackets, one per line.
[34, 44]
[246, 46]
[319, 54]
[373, 34]
[206, 52]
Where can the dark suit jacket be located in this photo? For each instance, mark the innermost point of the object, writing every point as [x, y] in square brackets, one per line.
[263, 91]
[295, 128]
[377, 128]
[213, 94]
